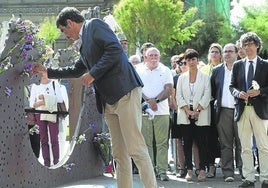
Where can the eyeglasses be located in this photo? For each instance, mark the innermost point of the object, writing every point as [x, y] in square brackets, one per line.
[228, 51]
[153, 55]
[214, 52]
[180, 63]
[248, 44]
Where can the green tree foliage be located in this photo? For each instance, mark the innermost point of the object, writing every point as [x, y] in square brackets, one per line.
[215, 29]
[164, 23]
[256, 20]
[49, 31]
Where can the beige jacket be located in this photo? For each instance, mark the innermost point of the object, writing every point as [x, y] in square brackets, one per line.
[201, 95]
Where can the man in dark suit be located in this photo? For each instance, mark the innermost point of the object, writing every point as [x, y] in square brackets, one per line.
[251, 107]
[224, 113]
[104, 64]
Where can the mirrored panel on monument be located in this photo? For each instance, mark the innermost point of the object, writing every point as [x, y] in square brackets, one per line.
[52, 129]
[49, 129]
[47, 112]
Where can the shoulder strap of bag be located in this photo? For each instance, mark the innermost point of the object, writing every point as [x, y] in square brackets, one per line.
[28, 90]
[53, 83]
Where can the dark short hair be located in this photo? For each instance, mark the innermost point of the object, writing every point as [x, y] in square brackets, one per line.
[69, 13]
[249, 37]
[191, 53]
[146, 45]
[233, 45]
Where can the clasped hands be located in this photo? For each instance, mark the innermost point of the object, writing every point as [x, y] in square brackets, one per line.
[192, 114]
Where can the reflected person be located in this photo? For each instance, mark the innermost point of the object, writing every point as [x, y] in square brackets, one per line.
[45, 97]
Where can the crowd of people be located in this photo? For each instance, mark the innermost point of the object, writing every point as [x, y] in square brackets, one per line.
[212, 111]
[208, 111]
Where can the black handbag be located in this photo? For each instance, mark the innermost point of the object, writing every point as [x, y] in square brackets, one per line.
[61, 107]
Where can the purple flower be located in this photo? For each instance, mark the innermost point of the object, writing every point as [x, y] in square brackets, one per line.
[8, 91]
[68, 167]
[28, 38]
[47, 62]
[28, 67]
[27, 46]
[93, 126]
[24, 54]
[92, 90]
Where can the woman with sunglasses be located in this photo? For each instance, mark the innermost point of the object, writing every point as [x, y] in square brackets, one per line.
[193, 96]
[176, 135]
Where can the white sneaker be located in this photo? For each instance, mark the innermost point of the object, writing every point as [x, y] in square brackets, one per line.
[229, 179]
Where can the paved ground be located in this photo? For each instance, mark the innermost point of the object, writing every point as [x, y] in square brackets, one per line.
[107, 181]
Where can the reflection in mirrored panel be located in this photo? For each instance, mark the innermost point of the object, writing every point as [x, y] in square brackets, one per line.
[48, 131]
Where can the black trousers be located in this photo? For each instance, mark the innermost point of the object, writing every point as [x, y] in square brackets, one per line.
[199, 134]
[35, 142]
[214, 149]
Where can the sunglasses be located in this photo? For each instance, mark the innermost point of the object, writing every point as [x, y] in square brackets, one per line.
[180, 63]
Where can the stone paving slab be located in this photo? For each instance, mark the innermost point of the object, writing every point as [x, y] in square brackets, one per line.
[107, 181]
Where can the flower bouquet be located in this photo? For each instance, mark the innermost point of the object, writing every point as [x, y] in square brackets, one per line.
[21, 46]
[102, 143]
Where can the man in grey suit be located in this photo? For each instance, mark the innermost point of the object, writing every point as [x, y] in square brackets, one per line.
[104, 64]
[224, 113]
[251, 107]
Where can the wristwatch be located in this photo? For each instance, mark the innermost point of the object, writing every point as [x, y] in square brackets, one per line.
[157, 100]
[198, 110]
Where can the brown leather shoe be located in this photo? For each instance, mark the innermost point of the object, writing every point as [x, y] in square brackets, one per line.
[202, 176]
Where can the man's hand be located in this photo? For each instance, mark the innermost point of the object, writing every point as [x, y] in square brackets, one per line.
[38, 68]
[87, 79]
[253, 93]
[152, 104]
[243, 95]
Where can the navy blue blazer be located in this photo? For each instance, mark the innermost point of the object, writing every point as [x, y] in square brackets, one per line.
[102, 55]
[217, 83]
[238, 83]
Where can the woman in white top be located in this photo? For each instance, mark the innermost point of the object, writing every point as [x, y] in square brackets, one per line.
[45, 97]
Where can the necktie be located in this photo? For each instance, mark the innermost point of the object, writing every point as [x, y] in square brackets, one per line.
[250, 74]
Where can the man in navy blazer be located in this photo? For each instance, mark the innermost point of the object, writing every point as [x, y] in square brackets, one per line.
[104, 64]
[251, 107]
[224, 113]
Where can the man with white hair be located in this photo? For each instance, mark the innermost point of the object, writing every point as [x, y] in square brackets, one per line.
[158, 84]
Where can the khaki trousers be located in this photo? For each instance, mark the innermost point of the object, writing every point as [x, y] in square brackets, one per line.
[124, 122]
[248, 125]
[157, 129]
